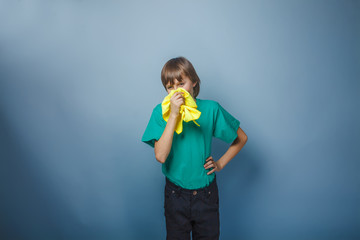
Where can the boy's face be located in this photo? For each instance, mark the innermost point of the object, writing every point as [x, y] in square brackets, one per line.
[185, 83]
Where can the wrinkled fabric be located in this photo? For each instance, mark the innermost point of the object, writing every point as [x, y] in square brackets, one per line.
[184, 165]
[188, 111]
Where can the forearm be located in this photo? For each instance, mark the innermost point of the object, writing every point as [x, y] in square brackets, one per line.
[163, 146]
[233, 150]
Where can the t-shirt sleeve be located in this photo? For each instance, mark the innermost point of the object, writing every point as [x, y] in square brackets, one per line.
[225, 125]
[155, 128]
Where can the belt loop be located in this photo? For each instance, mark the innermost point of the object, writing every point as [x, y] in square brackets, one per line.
[206, 190]
[209, 188]
[178, 191]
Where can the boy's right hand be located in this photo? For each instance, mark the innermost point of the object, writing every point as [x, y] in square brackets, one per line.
[176, 100]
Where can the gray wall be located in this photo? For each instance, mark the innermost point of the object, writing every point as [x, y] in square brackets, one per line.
[78, 82]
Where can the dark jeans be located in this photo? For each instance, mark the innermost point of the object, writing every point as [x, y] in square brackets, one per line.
[192, 210]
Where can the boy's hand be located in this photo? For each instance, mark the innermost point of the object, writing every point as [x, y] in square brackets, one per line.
[176, 100]
[210, 163]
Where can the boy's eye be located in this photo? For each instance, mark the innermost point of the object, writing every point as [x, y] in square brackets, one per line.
[179, 84]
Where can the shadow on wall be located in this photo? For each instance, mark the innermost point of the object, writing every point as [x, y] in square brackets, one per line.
[31, 202]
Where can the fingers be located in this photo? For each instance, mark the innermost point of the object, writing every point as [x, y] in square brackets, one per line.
[179, 102]
[210, 172]
[209, 158]
[178, 97]
[181, 94]
[210, 163]
[210, 166]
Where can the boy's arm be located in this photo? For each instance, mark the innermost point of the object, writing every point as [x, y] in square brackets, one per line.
[163, 146]
[233, 150]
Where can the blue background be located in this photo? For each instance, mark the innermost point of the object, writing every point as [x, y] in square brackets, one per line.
[79, 80]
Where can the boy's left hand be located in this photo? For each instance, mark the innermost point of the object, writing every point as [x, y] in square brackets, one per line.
[210, 163]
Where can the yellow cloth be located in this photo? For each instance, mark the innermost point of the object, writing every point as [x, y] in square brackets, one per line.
[188, 111]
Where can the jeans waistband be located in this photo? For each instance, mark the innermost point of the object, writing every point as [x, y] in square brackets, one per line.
[190, 191]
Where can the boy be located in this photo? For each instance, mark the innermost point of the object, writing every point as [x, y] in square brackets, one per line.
[191, 193]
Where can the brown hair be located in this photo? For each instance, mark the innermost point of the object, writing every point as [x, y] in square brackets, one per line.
[175, 68]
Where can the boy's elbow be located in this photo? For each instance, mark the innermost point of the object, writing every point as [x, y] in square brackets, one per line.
[159, 155]
[244, 139]
[159, 158]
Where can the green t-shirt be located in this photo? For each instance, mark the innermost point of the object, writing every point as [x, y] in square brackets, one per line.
[185, 164]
